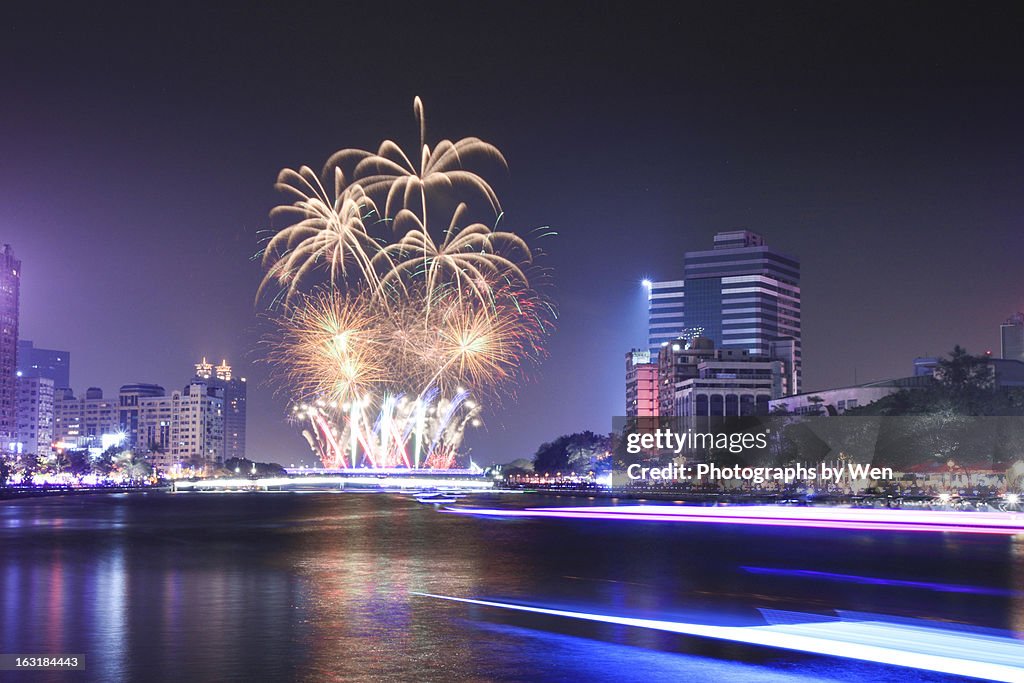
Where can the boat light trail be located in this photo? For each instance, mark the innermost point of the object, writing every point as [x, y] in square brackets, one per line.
[1005, 523]
[929, 649]
[879, 581]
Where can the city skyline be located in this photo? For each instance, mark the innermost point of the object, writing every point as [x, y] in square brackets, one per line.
[881, 183]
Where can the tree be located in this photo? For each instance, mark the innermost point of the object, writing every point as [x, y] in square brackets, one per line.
[963, 373]
[28, 464]
[77, 461]
[246, 467]
[103, 464]
[936, 422]
[964, 386]
[133, 466]
[580, 452]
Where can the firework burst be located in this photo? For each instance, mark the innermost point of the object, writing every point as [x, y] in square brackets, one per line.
[388, 359]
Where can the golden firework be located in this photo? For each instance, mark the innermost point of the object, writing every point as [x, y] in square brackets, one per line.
[329, 230]
[389, 356]
[329, 348]
[390, 172]
[470, 257]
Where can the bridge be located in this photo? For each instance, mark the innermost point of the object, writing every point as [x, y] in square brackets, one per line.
[357, 479]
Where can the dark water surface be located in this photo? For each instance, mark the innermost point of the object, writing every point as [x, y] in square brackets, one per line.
[318, 587]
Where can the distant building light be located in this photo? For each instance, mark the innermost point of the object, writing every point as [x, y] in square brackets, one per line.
[109, 440]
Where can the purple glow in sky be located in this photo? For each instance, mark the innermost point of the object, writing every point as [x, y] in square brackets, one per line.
[140, 147]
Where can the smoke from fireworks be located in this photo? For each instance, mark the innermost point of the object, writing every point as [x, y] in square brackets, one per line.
[388, 358]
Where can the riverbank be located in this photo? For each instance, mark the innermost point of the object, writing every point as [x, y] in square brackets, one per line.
[18, 493]
[969, 503]
[965, 503]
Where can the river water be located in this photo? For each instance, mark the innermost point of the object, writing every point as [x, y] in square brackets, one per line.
[323, 587]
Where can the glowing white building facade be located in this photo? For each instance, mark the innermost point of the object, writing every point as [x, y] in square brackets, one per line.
[82, 422]
[34, 432]
[184, 430]
[1011, 338]
[234, 392]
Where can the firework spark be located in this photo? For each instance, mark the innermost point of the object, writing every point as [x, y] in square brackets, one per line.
[391, 173]
[331, 231]
[328, 348]
[469, 257]
[340, 347]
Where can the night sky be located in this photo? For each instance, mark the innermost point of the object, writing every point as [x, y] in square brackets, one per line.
[884, 147]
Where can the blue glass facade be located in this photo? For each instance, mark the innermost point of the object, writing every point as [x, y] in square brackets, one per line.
[704, 307]
[47, 363]
[743, 294]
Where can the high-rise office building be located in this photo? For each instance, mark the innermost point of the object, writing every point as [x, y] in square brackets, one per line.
[742, 294]
[128, 412]
[82, 422]
[49, 363]
[34, 434]
[233, 390]
[10, 288]
[641, 384]
[184, 430]
[1011, 338]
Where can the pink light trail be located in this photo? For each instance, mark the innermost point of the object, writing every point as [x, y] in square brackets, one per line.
[1003, 523]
